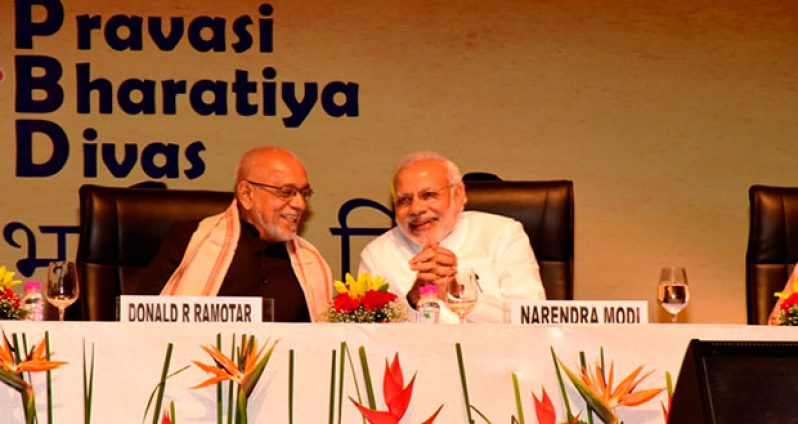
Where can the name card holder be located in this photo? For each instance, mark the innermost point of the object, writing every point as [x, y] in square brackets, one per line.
[189, 309]
[566, 312]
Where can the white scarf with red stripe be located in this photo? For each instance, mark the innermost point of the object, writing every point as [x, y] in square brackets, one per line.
[210, 252]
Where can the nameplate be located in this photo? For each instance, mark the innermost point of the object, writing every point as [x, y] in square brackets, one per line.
[185, 309]
[565, 312]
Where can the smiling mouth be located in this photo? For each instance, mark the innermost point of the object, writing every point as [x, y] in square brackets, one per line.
[419, 226]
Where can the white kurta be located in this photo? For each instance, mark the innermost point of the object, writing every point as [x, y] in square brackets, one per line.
[495, 247]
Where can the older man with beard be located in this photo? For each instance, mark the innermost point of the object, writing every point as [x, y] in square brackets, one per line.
[434, 238]
[252, 248]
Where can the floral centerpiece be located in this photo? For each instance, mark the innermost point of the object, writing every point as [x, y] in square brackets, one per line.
[365, 299]
[787, 313]
[10, 302]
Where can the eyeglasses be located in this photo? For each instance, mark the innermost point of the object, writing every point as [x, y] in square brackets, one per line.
[285, 192]
[426, 196]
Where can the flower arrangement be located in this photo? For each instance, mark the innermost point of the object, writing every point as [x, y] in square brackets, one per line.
[10, 302]
[365, 299]
[787, 313]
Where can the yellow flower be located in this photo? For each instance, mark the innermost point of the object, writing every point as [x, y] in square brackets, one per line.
[7, 278]
[356, 288]
[785, 294]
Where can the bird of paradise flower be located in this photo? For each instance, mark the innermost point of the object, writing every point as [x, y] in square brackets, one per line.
[396, 395]
[245, 373]
[598, 392]
[11, 369]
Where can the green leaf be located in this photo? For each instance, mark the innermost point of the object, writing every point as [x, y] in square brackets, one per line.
[518, 405]
[364, 364]
[604, 412]
[463, 382]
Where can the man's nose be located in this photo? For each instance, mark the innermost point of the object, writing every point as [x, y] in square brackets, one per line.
[417, 206]
[298, 201]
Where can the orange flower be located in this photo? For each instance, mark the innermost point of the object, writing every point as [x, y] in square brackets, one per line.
[248, 370]
[396, 396]
[35, 360]
[601, 396]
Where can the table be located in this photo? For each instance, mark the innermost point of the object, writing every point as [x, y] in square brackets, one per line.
[130, 357]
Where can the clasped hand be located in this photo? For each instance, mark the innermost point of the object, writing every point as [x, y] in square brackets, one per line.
[433, 265]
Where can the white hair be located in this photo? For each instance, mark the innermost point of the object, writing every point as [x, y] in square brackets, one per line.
[452, 171]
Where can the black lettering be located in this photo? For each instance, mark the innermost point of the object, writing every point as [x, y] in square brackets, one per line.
[349, 92]
[299, 108]
[219, 104]
[89, 153]
[85, 86]
[26, 28]
[216, 27]
[87, 24]
[59, 145]
[197, 164]
[47, 83]
[145, 105]
[163, 41]
[171, 89]
[132, 26]
[186, 313]
[269, 95]
[244, 42]
[266, 29]
[122, 168]
[170, 153]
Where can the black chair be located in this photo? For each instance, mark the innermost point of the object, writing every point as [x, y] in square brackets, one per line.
[121, 229]
[772, 247]
[546, 210]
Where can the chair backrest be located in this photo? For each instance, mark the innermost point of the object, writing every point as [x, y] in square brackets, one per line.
[546, 210]
[121, 229]
[772, 247]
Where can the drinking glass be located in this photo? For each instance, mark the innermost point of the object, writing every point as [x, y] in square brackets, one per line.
[62, 285]
[673, 293]
[462, 293]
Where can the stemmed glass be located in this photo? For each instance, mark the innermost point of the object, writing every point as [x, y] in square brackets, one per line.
[462, 293]
[62, 285]
[673, 293]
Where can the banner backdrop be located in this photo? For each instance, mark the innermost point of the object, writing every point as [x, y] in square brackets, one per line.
[662, 115]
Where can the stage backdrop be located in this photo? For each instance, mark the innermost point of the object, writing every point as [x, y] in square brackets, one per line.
[662, 114]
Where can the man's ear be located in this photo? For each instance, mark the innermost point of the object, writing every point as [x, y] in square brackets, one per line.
[245, 195]
[460, 195]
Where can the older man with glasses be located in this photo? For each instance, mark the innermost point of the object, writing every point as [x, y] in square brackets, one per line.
[434, 238]
[252, 248]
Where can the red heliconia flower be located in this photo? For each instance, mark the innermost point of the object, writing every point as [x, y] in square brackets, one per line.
[396, 396]
[166, 418]
[544, 409]
[345, 303]
[374, 299]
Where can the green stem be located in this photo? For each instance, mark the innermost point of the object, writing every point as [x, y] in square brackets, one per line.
[241, 408]
[583, 364]
[331, 414]
[291, 386]
[463, 382]
[568, 412]
[29, 405]
[219, 388]
[341, 364]
[49, 380]
[162, 385]
[364, 363]
[518, 404]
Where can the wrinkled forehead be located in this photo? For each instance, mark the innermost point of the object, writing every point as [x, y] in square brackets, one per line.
[419, 176]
